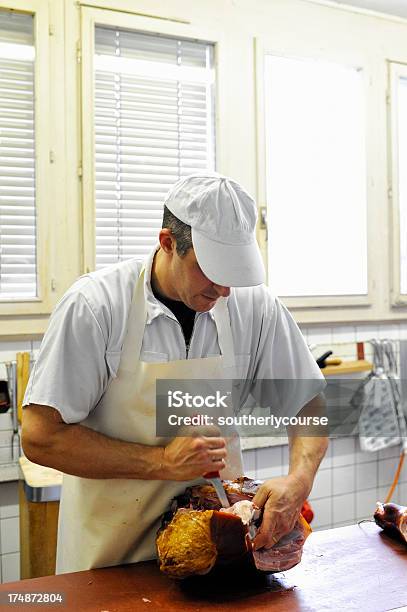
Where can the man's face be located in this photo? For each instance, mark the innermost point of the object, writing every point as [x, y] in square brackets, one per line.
[192, 286]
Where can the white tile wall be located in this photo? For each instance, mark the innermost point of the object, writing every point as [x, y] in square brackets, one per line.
[387, 469]
[343, 508]
[10, 535]
[344, 334]
[343, 451]
[343, 480]
[9, 532]
[269, 462]
[8, 500]
[366, 476]
[322, 513]
[250, 463]
[318, 335]
[327, 460]
[322, 484]
[366, 502]
[10, 567]
[364, 456]
[366, 332]
[402, 492]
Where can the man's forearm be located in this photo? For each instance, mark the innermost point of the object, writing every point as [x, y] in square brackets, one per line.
[306, 454]
[308, 446]
[80, 451]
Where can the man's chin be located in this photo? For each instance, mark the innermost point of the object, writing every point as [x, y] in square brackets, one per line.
[208, 306]
[204, 306]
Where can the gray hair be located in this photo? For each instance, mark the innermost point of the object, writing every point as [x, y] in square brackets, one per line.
[180, 230]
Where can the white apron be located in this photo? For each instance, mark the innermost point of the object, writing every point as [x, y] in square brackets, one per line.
[105, 522]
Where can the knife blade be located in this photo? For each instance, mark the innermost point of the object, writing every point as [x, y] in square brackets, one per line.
[214, 479]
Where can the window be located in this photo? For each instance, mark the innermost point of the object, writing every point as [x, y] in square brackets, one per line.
[398, 117]
[18, 268]
[402, 136]
[153, 124]
[316, 178]
[334, 213]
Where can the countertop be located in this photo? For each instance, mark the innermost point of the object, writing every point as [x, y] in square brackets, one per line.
[41, 484]
[38, 475]
[350, 568]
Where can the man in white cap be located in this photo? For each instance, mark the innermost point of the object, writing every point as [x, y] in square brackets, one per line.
[198, 308]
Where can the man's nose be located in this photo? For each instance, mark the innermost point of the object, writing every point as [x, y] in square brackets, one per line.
[221, 290]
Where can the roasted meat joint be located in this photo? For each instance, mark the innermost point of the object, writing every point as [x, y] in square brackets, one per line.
[197, 533]
[392, 518]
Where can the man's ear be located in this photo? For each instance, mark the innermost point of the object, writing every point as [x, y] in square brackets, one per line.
[167, 241]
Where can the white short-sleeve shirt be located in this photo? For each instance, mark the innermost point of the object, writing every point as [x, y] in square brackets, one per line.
[80, 351]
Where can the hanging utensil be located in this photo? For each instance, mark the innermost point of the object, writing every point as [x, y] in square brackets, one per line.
[379, 421]
[12, 381]
[396, 389]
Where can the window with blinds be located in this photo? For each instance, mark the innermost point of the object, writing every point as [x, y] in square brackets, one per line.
[18, 270]
[154, 124]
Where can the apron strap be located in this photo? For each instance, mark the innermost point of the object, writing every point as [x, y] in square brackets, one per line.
[223, 326]
[133, 340]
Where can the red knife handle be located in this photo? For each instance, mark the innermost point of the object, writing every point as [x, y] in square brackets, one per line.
[211, 475]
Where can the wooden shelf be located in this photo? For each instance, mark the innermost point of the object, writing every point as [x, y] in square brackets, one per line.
[348, 367]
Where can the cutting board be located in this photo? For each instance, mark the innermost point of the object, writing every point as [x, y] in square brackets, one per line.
[23, 374]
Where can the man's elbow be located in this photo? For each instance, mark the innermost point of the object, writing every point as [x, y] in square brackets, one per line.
[35, 450]
[39, 434]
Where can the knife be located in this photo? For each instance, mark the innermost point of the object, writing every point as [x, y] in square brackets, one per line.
[214, 479]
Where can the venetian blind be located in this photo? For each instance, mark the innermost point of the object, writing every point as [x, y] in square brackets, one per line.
[154, 123]
[17, 157]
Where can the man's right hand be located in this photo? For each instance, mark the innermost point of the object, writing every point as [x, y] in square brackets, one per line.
[190, 457]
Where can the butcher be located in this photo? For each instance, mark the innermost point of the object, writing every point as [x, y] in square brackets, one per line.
[197, 307]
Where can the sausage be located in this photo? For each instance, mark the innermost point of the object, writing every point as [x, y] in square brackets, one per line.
[392, 518]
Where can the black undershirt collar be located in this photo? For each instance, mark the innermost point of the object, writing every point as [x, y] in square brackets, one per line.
[184, 315]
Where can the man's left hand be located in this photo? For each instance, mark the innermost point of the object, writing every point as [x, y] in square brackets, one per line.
[282, 500]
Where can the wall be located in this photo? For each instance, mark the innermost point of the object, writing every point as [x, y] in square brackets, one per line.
[9, 532]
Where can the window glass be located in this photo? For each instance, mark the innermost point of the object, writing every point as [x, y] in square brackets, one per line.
[316, 178]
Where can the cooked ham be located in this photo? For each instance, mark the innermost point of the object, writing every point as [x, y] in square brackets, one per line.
[197, 533]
